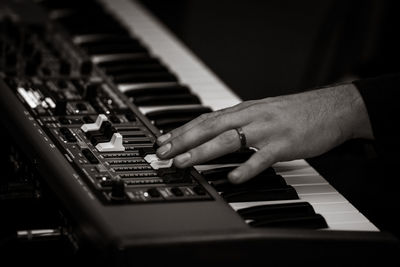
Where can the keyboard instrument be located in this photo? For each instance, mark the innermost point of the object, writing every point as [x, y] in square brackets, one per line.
[87, 87]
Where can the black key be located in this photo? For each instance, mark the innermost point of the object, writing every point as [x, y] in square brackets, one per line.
[221, 173]
[174, 118]
[138, 68]
[178, 113]
[261, 194]
[174, 123]
[235, 157]
[165, 100]
[117, 48]
[109, 39]
[132, 61]
[276, 211]
[315, 221]
[150, 77]
[275, 181]
[157, 91]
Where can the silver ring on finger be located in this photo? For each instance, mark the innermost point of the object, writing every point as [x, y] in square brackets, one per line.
[242, 138]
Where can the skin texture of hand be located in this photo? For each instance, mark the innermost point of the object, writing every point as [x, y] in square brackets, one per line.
[281, 128]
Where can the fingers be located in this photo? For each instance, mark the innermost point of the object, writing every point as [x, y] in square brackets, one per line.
[204, 131]
[224, 143]
[207, 116]
[258, 162]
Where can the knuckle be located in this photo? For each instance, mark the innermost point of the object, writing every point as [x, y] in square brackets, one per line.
[204, 116]
[265, 157]
[228, 138]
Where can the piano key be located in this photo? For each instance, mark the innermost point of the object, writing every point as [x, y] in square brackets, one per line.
[163, 100]
[157, 90]
[318, 203]
[151, 77]
[168, 119]
[310, 189]
[167, 125]
[114, 48]
[136, 68]
[324, 202]
[290, 209]
[299, 215]
[315, 221]
[261, 194]
[173, 113]
[353, 217]
[235, 157]
[172, 120]
[149, 109]
[90, 39]
[354, 226]
[116, 61]
[217, 173]
[223, 185]
[305, 179]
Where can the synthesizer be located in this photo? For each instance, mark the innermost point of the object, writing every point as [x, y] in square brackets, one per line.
[86, 87]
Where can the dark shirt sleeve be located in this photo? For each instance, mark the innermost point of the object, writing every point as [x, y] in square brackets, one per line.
[381, 96]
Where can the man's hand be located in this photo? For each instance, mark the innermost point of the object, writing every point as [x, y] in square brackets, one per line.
[280, 128]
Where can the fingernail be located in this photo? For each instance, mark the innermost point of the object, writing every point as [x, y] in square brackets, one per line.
[164, 149]
[235, 176]
[183, 157]
[161, 139]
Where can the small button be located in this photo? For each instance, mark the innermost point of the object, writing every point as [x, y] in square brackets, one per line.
[176, 191]
[153, 192]
[89, 156]
[199, 190]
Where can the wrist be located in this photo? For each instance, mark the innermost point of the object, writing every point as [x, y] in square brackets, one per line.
[352, 114]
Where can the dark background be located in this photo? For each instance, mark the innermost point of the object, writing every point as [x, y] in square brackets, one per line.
[267, 48]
